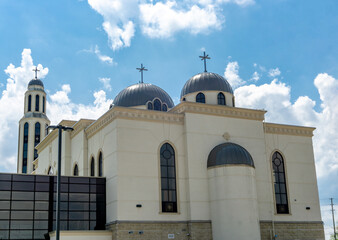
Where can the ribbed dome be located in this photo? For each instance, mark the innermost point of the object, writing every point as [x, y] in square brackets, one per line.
[35, 82]
[206, 81]
[229, 153]
[140, 94]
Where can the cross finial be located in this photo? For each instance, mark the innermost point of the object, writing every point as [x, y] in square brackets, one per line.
[36, 70]
[205, 57]
[141, 69]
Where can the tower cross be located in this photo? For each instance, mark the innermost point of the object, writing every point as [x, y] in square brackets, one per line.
[36, 70]
[205, 57]
[141, 69]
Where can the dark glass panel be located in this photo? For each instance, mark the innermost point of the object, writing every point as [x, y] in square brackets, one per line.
[29, 103]
[64, 188]
[39, 234]
[22, 205]
[277, 188]
[43, 104]
[63, 206]
[63, 225]
[41, 205]
[163, 162]
[221, 99]
[22, 224]
[92, 215]
[83, 180]
[78, 215]
[41, 215]
[5, 195]
[150, 106]
[164, 183]
[42, 187]
[22, 215]
[22, 195]
[24, 178]
[100, 180]
[41, 196]
[172, 184]
[165, 196]
[282, 188]
[5, 177]
[93, 206]
[4, 215]
[78, 188]
[5, 205]
[100, 188]
[100, 198]
[37, 102]
[79, 197]
[172, 196]
[157, 105]
[23, 186]
[4, 234]
[76, 171]
[5, 185]
[171, 162]
[164, 172]
[42, 178]
[200, 98]
[164, 107]
[100, 165]
[78, 206]
[93, 197]
[21, 234]
[92, 167]
[171, 172]
[92, 225]
[4, 224]
[63, 215]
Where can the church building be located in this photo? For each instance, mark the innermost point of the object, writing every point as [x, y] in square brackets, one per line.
[203, 169]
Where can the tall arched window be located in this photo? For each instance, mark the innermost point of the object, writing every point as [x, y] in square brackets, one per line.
[281, 195]
[76, 170]
[29, 103]
[168, 178]
[164, 107]
[233, 101]
[36, 139]
[200, 98]
[37, 99]
[50, 171]
[92, 167]
[43, 104]
[157, 105]
[150, 105]
[221, 99]
[100, 165]
[25, 148]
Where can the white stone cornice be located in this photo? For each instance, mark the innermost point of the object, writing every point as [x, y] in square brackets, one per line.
[80, 125]
[219, 110]
[288, 129]
[135, 114]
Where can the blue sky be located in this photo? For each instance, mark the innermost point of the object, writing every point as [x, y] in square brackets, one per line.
[279, 55]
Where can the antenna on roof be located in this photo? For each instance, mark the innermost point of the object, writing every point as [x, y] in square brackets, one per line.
[205, 57]
[36, 70]
[141, 69]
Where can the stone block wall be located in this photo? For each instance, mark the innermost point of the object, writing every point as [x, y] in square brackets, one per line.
[293, 230]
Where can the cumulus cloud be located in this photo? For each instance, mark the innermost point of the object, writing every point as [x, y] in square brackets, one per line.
[106, 83]
[162, 20]
[231, 74]
[275, 72]
[255, 76]
[99, 55]
[60, 107]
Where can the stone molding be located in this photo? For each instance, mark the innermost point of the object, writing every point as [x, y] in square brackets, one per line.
[80, 125]
[282, 129]
[218, 110]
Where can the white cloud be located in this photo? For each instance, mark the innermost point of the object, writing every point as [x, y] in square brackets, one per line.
[106, 83]
[231, 75]
[255, 76]
[163, 20]
[242, 3]
[59, 107]
[102, 57]
[275, 72]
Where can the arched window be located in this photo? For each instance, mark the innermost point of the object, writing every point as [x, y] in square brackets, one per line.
[168, 178]
[100, 165]
[43, 104]
[281, 195]
[233, 101]
[25, 148]
[184, 99]
[200, 98]
[150, 105]
[164, 107]
[46, 129]
[50, 171]
[92, 167]
[221, 99]
[37, 99]
[29, 103]
[76, 170]
[157, 105]
[36, 139]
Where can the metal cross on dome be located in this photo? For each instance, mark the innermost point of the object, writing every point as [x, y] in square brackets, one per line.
[36, 70]
[205, 57]
[141, 69]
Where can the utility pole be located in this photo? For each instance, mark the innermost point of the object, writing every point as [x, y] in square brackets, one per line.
[334, 226]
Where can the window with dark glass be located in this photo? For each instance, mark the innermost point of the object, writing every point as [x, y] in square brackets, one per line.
[221, 99]
[150, 105]
[25, 148]
[100, 164]
[233, 101]
[157, 105]
[43, 104]
[164, 107]
[37, 138]
[281, 195]
[37, 100]
[76, 170]
[92, 167]
[46, 129]
[200, 98]
[168, 178]
[29, 103]
[50, 171]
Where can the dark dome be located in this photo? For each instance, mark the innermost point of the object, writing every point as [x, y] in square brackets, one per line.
[229, 153]
[35, 82]
[140, 94]
[206, 81]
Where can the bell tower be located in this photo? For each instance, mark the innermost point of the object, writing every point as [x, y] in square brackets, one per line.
[32, 126]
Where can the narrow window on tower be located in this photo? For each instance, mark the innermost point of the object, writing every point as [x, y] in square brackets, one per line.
[25, 148]
[29, 103]
[76, 170]
[36, 139]
[100, 164]
[200, 98]
[37, 99]
[221, 99]
[168, 178]
[92, 167]
[281, 195]
[157, 105]
[43, 104]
